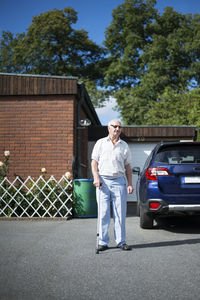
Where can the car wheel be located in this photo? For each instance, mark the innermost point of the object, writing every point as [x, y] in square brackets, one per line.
[146, 220]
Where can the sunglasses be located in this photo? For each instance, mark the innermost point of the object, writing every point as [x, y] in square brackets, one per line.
[115, 126]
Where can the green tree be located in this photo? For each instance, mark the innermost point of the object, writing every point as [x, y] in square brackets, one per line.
[99, 96]
[7, 49]
[175, 109]
[150, 52]
[51, 46]
[170, 54]
[125, 40]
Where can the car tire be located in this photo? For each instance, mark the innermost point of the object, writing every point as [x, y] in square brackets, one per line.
[146, 220]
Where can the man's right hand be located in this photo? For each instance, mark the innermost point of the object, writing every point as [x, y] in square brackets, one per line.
[95, 174]
[97, 183]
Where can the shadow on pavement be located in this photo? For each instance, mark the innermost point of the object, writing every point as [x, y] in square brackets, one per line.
[166, 244]
[179, 224]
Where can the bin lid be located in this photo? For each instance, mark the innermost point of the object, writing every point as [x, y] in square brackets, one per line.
[83, 179]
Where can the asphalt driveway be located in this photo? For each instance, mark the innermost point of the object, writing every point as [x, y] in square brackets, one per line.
[57, 260]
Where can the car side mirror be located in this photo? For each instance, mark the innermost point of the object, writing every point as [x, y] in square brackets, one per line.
[136, 170]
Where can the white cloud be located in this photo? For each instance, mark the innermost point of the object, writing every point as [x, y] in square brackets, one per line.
[107, 113]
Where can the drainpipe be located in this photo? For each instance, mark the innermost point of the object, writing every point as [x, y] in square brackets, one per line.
[81, 124]
[77, 159]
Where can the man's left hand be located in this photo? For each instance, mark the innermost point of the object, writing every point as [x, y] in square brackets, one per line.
[130, 189]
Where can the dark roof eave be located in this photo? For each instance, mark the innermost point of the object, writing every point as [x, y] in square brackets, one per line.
[88, 107]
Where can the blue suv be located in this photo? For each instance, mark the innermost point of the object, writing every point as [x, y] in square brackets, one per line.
[169, 182]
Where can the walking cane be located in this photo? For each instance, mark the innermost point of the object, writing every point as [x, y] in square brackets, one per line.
[98, 218]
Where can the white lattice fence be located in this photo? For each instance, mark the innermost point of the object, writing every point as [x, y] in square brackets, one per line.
[36, 198]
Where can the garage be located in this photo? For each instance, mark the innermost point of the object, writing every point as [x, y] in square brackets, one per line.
[139, 152]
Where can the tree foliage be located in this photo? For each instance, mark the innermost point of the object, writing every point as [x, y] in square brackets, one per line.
[150, 53]
[125, 39]
[176, 109]
[51, 46]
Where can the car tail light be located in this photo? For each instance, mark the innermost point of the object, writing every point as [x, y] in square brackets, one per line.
[154, 205]
[152, 173]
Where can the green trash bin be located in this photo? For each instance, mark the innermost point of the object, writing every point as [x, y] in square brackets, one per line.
[84, 198]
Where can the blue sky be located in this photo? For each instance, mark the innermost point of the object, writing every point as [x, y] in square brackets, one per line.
[93, 16]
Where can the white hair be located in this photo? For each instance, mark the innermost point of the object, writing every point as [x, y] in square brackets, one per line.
[110, 122]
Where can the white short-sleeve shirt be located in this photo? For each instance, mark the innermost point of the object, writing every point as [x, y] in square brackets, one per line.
[111, 158]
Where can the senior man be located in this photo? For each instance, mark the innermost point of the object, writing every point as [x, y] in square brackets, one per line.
[111, 169]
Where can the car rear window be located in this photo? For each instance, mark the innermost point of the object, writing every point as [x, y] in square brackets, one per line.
[179, 154]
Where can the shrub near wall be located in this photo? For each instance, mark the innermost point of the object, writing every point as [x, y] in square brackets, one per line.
[41, 197]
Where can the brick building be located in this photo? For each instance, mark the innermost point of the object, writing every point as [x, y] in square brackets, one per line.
[40, 124]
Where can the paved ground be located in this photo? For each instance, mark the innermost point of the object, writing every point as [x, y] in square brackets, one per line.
[57, 260]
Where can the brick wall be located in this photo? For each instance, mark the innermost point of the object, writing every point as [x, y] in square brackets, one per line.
[39, 132]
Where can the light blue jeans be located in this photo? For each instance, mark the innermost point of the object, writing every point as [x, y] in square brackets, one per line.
[112, 190]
